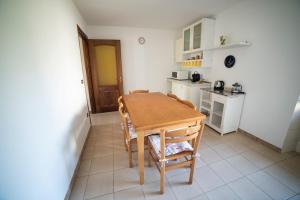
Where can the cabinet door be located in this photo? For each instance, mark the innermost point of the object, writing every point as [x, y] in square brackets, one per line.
[197, 36]
[176, 89]
[217, 111]
[186, 39]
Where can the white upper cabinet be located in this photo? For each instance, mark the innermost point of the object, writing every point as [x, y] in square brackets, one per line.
[187, 39]
[199, 35]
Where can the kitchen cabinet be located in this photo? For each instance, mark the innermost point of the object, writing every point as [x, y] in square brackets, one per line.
[199, 35]
[187, 90]
[223, 112]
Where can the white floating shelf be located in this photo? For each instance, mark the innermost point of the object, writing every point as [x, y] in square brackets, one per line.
[229, 46]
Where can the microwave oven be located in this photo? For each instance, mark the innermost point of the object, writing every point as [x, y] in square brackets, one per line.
[180, 75]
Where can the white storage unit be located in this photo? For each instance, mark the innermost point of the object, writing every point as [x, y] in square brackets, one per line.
[199, 35]
[187, 90]
[223, 112]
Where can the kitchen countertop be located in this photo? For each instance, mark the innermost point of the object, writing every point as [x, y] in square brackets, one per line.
[225, 92]
[188, 82]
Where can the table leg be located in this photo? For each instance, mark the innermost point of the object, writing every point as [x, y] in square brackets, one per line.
[140, 145]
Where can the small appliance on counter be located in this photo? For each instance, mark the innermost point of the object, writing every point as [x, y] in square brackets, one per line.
[219, 85]
[196, 76]
[237, 88]
[180, 75]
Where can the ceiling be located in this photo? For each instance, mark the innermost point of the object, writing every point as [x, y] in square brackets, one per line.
[165, 14]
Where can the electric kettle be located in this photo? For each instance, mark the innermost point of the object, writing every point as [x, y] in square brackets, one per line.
[219, 85]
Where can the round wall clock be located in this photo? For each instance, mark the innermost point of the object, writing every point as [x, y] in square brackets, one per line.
[141, 40]
[229, 61]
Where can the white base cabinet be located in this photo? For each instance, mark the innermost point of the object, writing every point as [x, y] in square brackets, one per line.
[223, 112]
[187, 90]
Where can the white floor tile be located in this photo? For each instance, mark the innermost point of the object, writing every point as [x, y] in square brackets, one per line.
[102, 164]
[242, 164]
[99, 184]
[258, 159]
[224, 170]
[152, 192]
[125, 179]
[182, 189]
[103, 150]
[132, 194]
[84, 168]
[121, 160]
[221, 193]
[104, 197]
[285, 177]
[292, 164]
[224, 150]
[207, 179]
[201, 197]
[209, 156]
[79, 188]
[247, 190]
[271, 186]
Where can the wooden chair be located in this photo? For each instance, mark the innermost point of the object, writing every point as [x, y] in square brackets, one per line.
[138, 91]
[171, 145]
[129, 133]
[188, 103]
[172, 96]
[120, 100]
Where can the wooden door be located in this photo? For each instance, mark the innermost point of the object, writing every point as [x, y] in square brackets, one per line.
[106, 73]
[87, 76]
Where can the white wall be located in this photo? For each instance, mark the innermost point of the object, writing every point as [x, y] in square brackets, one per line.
[269, 69]
[144, 66]
[43, 106]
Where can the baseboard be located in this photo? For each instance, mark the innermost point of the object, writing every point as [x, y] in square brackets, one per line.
[260, 140]
[67, 196]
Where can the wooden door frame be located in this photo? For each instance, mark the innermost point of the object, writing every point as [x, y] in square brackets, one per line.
[87, 68]
[117, 44]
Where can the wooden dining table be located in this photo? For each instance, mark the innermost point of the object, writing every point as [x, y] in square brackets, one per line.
[151, 112]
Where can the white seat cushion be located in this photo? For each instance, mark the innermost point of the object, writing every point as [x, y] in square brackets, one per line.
[132, 132]
[171, 148]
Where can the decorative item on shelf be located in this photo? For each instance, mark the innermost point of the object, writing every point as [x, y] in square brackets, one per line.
[141, 40]
[223, 40]
[229, 61]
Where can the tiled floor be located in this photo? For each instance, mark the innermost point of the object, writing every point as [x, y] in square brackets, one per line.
[229, 167]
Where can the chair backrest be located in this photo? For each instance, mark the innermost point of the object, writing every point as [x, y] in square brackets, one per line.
[138, 91]
[120, 100]
[172, 96]
[192, 133]
[124, 119]
[188, 103]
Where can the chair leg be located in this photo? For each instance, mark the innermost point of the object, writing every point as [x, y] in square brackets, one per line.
[149, 154]
[162, 180]
[192, 170]
[126, 147]
[130, 155]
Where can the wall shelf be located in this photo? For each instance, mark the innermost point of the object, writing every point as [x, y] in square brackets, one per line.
[228, 46]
